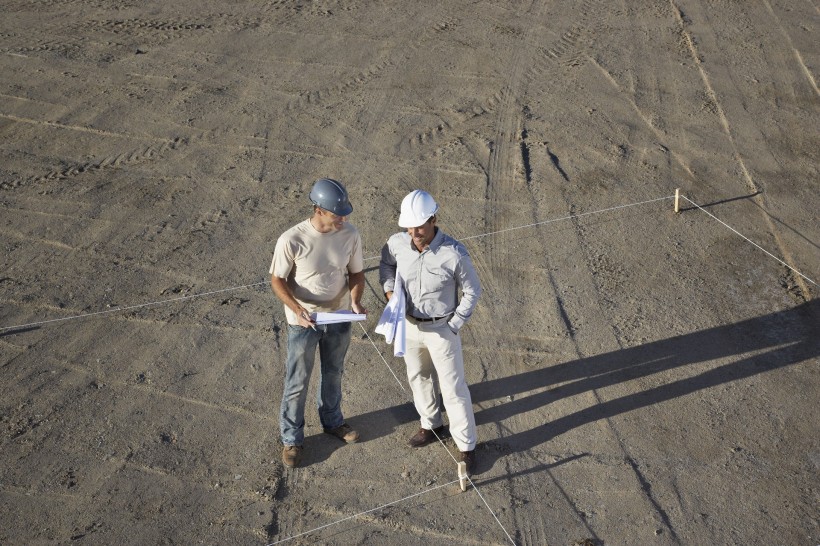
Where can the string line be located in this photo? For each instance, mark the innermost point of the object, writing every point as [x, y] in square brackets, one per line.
[570, 217]
[441, 441]
[128, 307]
[736, 232]
[382, 357]
[362, 513]
[192, 296]
[552, 220]
[475, 487]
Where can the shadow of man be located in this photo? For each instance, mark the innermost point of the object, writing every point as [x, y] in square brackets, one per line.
[760, 344]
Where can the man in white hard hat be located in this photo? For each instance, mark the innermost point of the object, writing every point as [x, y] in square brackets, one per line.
[434, 268]
[317, 266]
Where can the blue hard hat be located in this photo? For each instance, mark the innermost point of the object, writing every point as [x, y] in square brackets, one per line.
[329, 194]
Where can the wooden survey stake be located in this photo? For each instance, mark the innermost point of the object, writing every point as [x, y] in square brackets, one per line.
[462, 475]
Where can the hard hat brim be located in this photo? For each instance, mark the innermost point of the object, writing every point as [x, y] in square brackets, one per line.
[344, 211]
[405, 221]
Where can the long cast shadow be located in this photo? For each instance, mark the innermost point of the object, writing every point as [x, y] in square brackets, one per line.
[764, 343]
[768, 342]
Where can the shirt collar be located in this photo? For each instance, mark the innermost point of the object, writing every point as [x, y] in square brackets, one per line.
[438, 239]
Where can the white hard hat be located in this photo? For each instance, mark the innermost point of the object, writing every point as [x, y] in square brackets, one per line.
[416, 208]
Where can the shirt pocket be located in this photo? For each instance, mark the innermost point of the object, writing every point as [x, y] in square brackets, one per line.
[433, 283]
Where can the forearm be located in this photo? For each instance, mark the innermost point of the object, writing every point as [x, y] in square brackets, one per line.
[283, 292]
[470, 292]
[356, 284]
[387, 270]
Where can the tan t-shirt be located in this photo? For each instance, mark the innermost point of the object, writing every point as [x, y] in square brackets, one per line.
[316, 266]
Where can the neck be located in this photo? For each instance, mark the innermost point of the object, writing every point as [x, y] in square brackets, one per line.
[317, 225]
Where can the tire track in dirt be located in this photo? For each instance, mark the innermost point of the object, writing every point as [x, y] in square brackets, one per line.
[540, 175]
[58, 125]
[509, 178]
[504, 182]
[502, 170]
[64, 47]
[317, 97]
[592, 330]
[158, 30]
[48, 242]
[642, 481]
[571, 49]
[596, 329]
[646, 119]
[317, 8]
[357, 142]
[797, 55]
[378, 521]
[49, 4]
[174, 292]
[758, 196]
[163, 392]
[139, 155]
[156, 457]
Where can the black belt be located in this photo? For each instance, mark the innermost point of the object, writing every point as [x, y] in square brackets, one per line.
[431, 319]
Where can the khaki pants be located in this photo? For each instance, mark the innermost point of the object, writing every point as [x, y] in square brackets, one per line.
[434, 361]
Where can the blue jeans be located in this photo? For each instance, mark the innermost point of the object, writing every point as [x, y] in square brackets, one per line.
[332, 341]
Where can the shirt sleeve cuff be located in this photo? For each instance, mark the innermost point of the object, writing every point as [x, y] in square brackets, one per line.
[456, 322]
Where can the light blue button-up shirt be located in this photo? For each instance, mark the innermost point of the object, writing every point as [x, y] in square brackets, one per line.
[432, 278]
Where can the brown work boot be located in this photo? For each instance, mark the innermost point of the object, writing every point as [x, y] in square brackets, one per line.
[292, 456]
[424, 436]
[344, 432]
[468, 457]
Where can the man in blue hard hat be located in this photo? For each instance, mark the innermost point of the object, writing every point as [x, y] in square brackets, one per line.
[317, 267]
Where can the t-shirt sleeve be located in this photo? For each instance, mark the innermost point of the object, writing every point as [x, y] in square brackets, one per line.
[282, 262]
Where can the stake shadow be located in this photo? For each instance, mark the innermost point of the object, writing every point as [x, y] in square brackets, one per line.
[721, 202]
[11, 332]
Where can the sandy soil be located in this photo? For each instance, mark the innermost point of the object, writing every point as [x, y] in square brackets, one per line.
[639, 376]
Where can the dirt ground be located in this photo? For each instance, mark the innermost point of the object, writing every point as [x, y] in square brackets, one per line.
[638, 376]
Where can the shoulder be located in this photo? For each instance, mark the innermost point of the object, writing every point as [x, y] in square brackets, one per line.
[450, 245]
[349, 228]
[300, 228]
[349, 231]
[347, 234]
[398, 241]
[299, 235]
